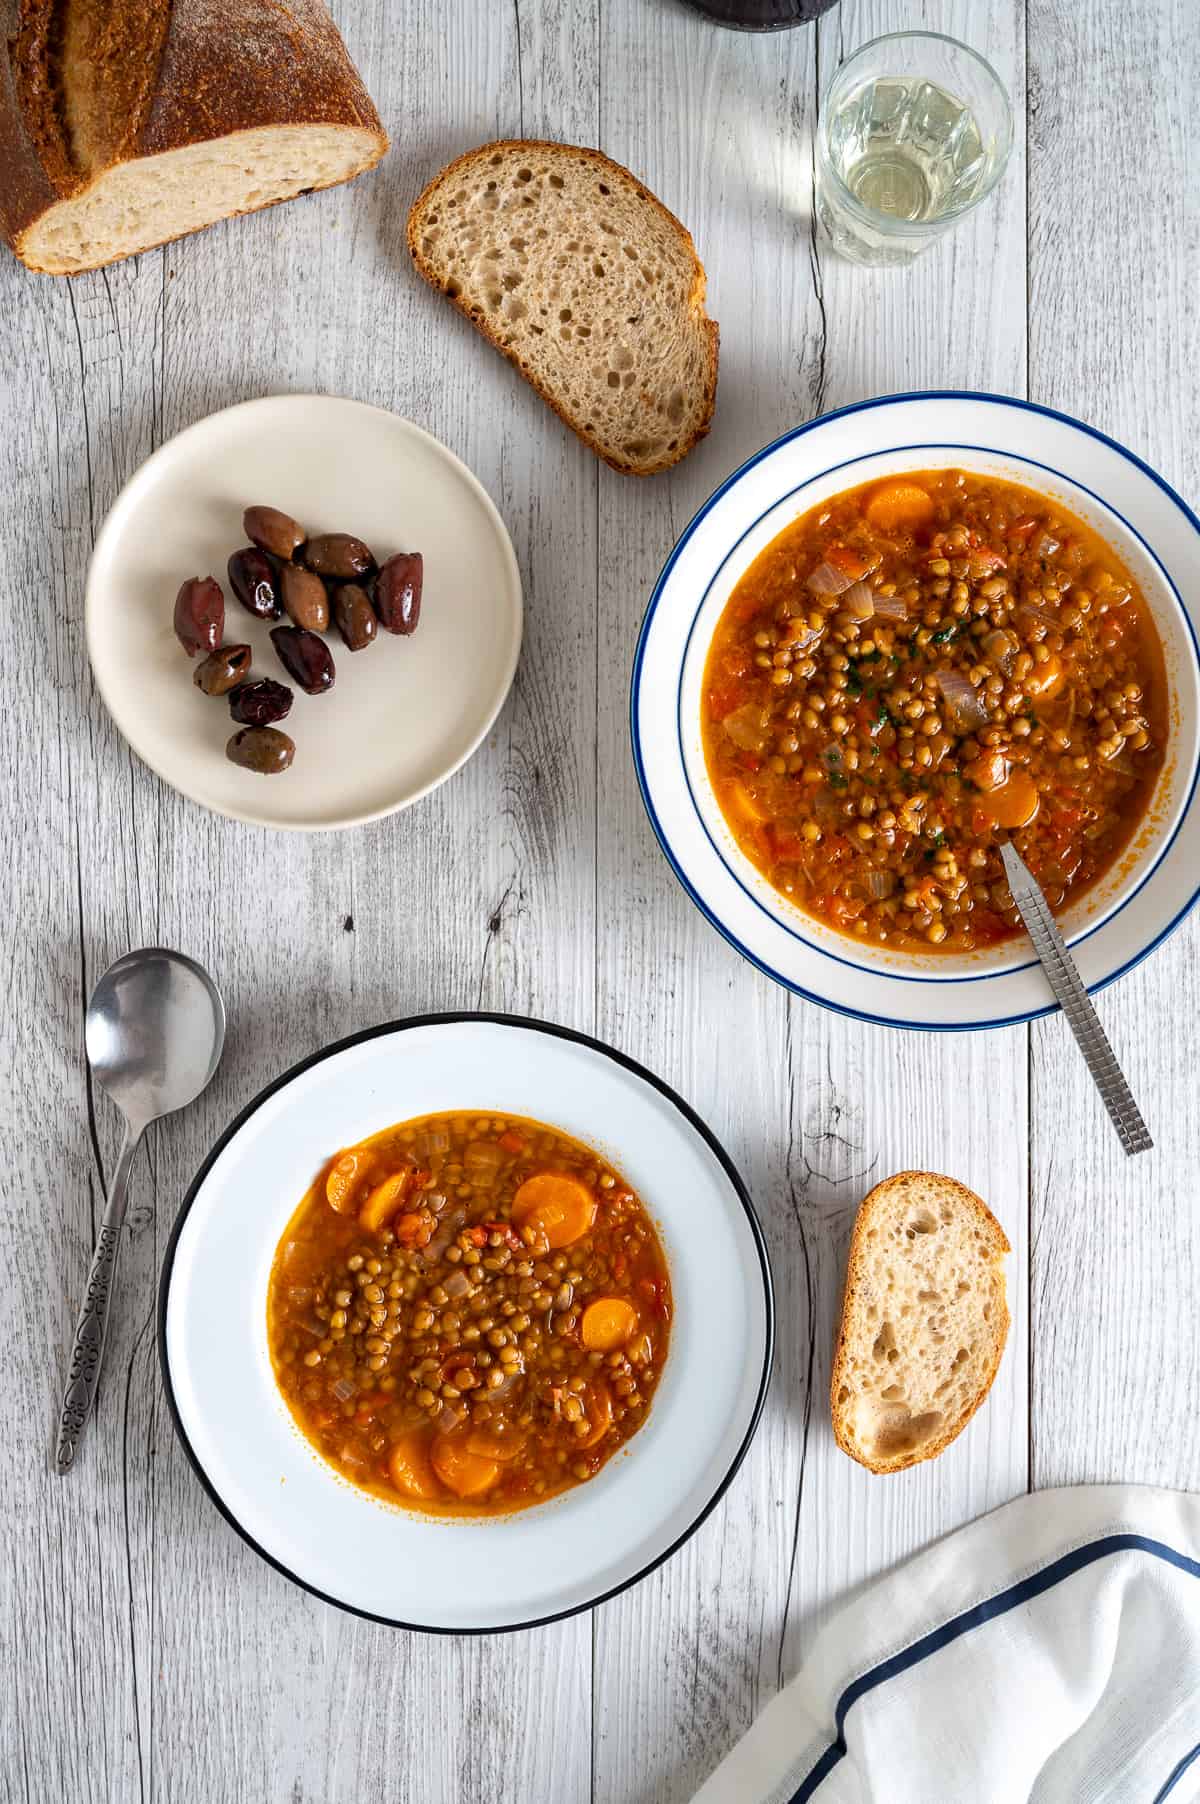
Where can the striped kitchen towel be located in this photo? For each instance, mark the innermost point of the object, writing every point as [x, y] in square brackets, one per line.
[1049, 1653]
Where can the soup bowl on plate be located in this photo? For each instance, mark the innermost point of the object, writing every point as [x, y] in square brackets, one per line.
[1148, 888]
[447, 1573]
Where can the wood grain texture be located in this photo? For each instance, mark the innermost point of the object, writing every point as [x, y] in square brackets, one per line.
[151, 1655]
[1116, 1268]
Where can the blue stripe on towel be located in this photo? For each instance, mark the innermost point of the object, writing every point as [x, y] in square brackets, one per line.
[1178, 1773]
[1051, 1575]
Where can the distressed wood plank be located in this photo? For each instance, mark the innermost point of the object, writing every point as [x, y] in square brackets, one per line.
[814, 1108]
[1116, 1267]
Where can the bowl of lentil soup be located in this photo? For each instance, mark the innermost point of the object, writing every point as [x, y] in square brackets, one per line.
[576, 1424]
[864, 667]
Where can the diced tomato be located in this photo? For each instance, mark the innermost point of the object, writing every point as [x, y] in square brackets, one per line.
[1021, 529]
[477, 1237]
[723, 698]
[512, 1142]
[981, 822]
[838, 848]
[750, 761]
[413, 1230]
[654, 1292]
[985, 562]
[785, 842]
[840, 908]
[507, 1233]
[620, 1265]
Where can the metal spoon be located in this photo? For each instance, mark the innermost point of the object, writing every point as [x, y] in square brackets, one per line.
[1082, 1018]
[154, 1033]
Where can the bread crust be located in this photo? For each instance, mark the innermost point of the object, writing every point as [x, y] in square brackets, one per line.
[473, 160]
[214, 68]
[856, 1265]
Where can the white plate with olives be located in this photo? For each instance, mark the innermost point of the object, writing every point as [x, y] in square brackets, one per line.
[360, 631]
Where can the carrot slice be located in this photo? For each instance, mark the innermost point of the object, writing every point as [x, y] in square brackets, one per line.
[345, 1176]
[465, 1473]
[1045, 680]
[411, 1469]
[599, 1414]
[558, 1208]
[1015, 803]
[384, 1200]
[899, 507]
[608, 1323]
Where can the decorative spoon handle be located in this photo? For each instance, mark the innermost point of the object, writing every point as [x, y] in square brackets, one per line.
[1082, 1018]
[87, 1353]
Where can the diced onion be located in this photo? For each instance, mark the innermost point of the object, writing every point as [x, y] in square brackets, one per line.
[343, 1390]
[433, 1140]
[747, 727]
[1043, 616]
[879, 884]
[483, 1160]
[825, 580]
[457, 1284]
[890, 607]
[962, 699]
[999, 647]
[449, 1417]
[1045, 545]
[1122, 763]
[859, 600]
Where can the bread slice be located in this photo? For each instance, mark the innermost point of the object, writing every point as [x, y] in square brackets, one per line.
[126, 123]
[587, 284]
[924, 1320]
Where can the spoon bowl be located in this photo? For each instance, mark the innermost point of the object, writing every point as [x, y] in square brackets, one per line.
[154, 1033]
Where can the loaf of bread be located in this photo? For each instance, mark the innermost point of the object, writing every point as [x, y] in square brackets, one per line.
[924, 1320]
[586, 283]
[125, 123]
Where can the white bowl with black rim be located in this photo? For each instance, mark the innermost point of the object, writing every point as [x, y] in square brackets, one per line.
[450, 1575]
[1116, 923]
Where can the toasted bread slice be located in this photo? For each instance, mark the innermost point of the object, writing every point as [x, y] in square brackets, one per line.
[924, 1320]
[586, 283]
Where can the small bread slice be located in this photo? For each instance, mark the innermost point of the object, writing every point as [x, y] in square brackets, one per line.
[586, 283]
[924, 1320]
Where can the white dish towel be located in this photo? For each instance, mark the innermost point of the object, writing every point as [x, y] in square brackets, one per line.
[1047, 1654]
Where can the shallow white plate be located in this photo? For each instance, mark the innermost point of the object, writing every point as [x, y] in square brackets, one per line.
[1121, 919]
[404, 714]
[385, 1562]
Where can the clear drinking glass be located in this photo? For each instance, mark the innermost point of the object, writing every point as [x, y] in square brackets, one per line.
[915, 130]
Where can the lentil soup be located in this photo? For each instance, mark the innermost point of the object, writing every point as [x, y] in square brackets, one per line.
[468, 1313]
[913, 671]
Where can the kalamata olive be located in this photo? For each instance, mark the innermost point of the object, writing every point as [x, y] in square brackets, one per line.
[261, 749]
[260, 704]
[397, 592]
[355, 616]
[307, 659]
[223, 670]
[253, 582]
[272, 531]
[304, 597]
[199, 615]
[337, 554]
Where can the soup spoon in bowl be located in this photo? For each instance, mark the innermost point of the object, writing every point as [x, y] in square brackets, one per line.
[154, 1033]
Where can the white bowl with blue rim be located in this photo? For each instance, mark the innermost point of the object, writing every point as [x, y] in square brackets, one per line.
[1122, 918]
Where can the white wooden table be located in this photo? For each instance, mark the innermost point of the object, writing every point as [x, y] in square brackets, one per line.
[148, 1653]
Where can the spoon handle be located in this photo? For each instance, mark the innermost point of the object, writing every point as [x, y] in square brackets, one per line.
[87, 1353]
[1076, 1004]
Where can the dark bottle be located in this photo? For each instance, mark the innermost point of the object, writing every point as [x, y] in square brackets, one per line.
[762, 15]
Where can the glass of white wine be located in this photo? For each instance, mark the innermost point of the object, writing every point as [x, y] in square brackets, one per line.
[915, 130]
